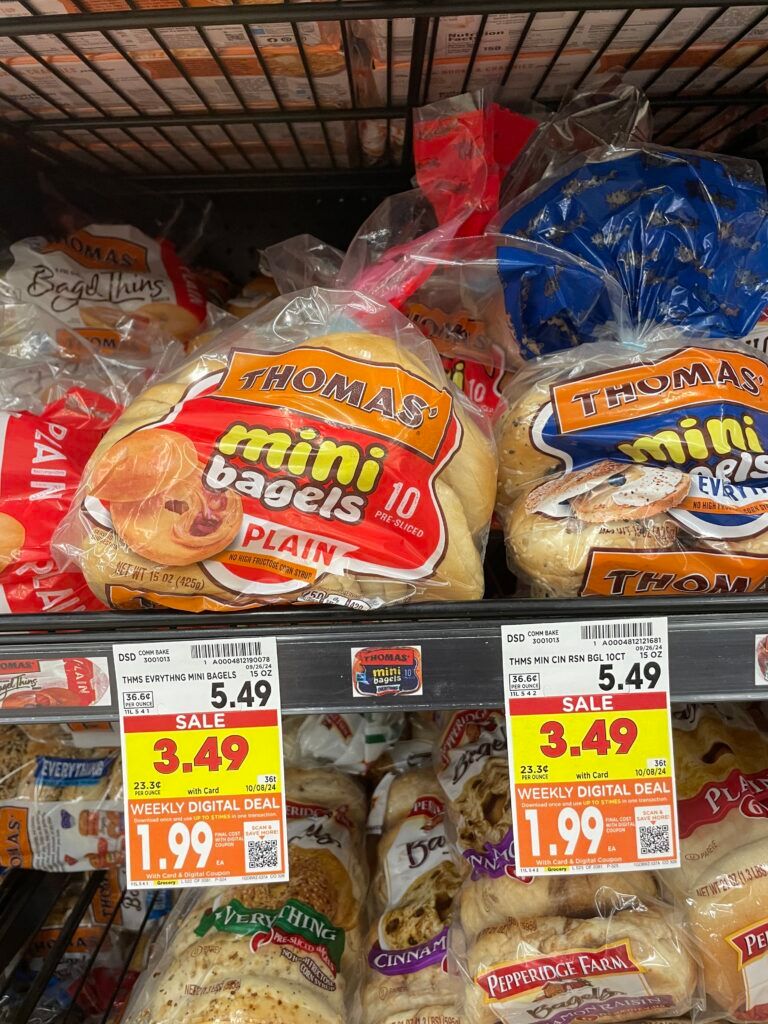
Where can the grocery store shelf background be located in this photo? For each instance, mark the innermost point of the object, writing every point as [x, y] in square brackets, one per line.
[712, 646]
[705, 69]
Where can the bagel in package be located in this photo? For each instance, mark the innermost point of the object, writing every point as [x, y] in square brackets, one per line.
[721, 761]
[555, 948]
[314, 452]
[107, 281]
[627, 472]
[406, 977]
[61, 808]
[271, 954]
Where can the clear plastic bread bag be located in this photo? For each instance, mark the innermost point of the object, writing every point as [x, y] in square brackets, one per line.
[406, 975]
[61, 808]
[274, 952]
[554, 948]
[721, 767]
[314, 452]
[106, 281]
[352, 742]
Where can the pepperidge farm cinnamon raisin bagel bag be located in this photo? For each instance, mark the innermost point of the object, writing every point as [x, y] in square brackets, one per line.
[313, 452]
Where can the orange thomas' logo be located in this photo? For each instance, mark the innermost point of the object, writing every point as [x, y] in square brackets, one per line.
[101, 252]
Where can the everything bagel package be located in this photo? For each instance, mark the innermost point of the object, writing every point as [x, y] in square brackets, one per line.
[284, 952]
[554, 949]
[638, 472]
[721, 762]
[61, 808]
[314, 452]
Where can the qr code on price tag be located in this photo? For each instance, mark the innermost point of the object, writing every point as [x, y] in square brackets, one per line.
[262, 846]
[653, 829]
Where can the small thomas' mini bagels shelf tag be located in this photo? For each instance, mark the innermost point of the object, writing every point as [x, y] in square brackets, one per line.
[202, 762]
[590, 746]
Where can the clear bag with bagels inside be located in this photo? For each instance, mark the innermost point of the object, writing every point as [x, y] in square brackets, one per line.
[721, 768]
[61, 808]
[287, 952]
[556, 949]
[314, 452]
[638, 472]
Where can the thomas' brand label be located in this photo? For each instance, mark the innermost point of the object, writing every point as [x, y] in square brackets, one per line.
[99, 252]
[8, 668]
[386, 671]
[671, 573]
[526, 976]
[77, 835]
[96, 275]
[314, 381]
[319, 464]
[751, 946]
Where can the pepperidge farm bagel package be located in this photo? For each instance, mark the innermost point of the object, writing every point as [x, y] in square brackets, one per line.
[313, 452]
[627, 472]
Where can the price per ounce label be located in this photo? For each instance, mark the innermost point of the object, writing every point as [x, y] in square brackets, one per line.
[202, 762]
[590, 746]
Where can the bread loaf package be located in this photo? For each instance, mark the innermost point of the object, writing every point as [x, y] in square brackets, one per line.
[61, 808]
[276, 953]
[314, 452]
[721, 761]
[555, 948]
[406, 976]
[631, 472]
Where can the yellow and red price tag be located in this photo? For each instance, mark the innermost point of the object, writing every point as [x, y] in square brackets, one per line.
[202, 762]
[590, 746]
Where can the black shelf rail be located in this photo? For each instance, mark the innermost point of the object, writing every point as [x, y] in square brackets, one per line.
[62, 118]
[712, 646]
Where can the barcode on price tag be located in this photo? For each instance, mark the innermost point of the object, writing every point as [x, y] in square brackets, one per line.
[202, 762]
[590, 746]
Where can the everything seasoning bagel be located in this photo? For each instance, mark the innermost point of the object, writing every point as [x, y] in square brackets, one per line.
[291, 462]
[651, 471]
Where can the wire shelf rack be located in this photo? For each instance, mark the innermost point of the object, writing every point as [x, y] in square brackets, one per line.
[279, 95]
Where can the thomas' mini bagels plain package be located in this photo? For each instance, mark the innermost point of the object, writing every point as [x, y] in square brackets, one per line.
[554, 949]
[108, 281]
[313, 452]
[638, 472]
[721, 761]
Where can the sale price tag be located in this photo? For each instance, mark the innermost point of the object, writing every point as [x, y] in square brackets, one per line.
[590, 746]
[202, 762]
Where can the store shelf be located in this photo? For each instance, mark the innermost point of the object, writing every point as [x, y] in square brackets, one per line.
[704, 70]
[712, 646]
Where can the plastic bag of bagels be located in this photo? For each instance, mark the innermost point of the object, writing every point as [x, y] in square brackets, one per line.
[555, 948]
[406, 976]
[61, 808]
[106, 281]
[285, 952]
[638, 472]
[721, 761]
[314, 452]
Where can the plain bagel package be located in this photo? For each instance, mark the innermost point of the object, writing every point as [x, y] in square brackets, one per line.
[285, 952]
[721, 761]
[638, 472]
[555, 949]
[312, 453]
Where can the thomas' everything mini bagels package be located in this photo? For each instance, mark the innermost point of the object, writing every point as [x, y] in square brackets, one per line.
[314, 452]
[638, 473]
